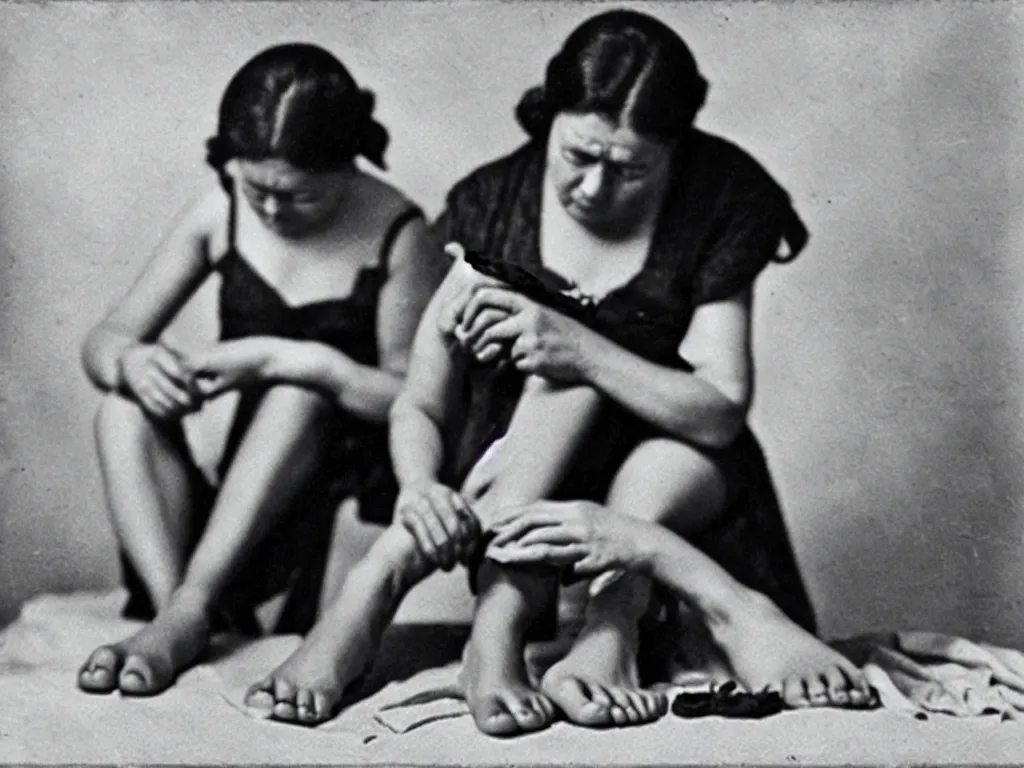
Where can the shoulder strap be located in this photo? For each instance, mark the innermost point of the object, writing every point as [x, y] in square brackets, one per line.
[394, 229]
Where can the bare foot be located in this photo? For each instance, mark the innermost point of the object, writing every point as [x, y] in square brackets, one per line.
[497, 687]
[767, 650]
[148, 662]
[597, 683]
[308, 686]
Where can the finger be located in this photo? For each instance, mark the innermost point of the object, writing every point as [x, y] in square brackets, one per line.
[155, 401]
[211, 385]
[553, 534]
[414, 524]
[538, 553]
[504, 334]
[172, 390]
[471, 329]
[439, 534]
[510, 530]
[490, 296]
[170, 364]
[588, 565]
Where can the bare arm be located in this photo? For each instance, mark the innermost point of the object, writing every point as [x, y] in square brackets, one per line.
[177, 268]
[420, 415]
[708, 406]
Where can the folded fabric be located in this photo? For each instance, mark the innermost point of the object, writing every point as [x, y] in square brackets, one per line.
[923, 673]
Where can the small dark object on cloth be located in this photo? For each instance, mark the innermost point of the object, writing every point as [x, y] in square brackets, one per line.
[726, 701]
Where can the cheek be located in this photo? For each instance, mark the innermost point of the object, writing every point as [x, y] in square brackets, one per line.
[565, 180]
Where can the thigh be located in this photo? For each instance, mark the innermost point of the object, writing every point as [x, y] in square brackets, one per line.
[670, 483]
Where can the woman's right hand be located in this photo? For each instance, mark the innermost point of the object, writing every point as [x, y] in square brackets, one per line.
[445, 528]
[158, 380]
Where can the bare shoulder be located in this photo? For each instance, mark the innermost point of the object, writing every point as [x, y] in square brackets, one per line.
[382, 198]
[208, 215]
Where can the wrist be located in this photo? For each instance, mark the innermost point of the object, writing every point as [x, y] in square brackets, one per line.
[593, 357]
[648, 558]
[120, 380]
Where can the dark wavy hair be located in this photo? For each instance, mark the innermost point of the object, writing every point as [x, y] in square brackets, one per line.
[296, 102]
[625, 65]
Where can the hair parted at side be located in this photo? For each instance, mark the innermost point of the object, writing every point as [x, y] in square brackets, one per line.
[297, 102]
[623, 64]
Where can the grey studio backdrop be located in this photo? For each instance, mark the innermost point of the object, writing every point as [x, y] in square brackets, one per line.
[889, 355]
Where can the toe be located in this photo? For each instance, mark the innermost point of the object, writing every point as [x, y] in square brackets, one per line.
[817, 693]
[794, 693]
[622, 711]
[575, 700]
[838, 686]
[493, 718]
[285, 711]
[259, 699]
[305, 707]
[323, 706]
[526, 715]
[284, 701]
[137, 678]
[646, 705]
[99, 673]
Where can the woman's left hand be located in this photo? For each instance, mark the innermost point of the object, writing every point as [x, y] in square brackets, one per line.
[540, 340]
[244, 362]
[587, 536]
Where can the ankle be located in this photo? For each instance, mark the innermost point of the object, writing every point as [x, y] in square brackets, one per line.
[734, 611]
[194, 597]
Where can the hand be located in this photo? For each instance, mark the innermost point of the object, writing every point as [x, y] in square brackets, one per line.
[542, 341]
[158, 380]
[450, 317]
[445, 528]
[243, 362]
[586, 536]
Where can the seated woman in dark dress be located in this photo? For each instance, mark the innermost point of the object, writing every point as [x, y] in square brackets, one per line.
[324, 272]
[598, 352]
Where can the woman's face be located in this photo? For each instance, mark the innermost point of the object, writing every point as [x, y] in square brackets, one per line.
[288, 200]
[605, 174]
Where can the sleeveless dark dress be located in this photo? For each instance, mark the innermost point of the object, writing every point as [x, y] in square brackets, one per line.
[293, 555]
[723, 220]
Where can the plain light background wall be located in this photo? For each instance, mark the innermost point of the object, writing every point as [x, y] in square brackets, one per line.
[889, 355]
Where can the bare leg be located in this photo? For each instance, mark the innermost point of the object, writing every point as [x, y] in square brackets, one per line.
[309, 685]
[280, 451]
[672, 484]
[146, 479]
[542, 438]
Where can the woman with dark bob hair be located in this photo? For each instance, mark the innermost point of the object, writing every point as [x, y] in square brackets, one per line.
[324, 272]
[588, 360]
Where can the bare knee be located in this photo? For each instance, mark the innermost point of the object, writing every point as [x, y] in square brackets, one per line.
[120, 419]
[297, 408]
[669, 482]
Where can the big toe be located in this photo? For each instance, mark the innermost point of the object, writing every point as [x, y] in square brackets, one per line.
[493, 718]
[580, 703]
[259, 699]
[139, 678]
[531, 713]
[99, 673]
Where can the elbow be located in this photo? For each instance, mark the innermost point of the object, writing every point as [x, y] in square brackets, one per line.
[87, 355]
[724, 426]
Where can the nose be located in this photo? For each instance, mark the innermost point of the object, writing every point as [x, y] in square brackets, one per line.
[271, 206]
[593, 183]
